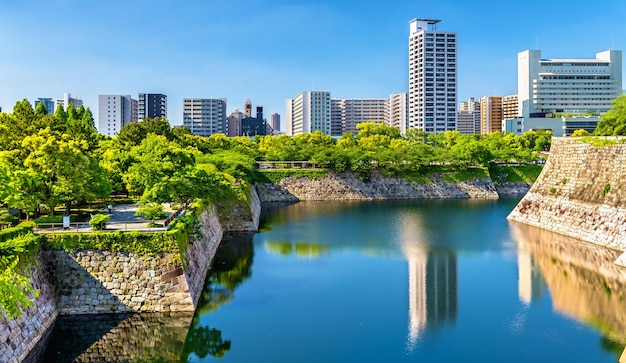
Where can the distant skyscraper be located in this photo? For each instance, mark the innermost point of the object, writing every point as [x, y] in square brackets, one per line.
[510, 107]
[275, 123]
[347, 113]
[48, 103]
[468, 117]
[234, 123]
[307, 112]
[397, 111]
[134, 110]
[204, 116]
[432, 77]
[151, 105]
[66, 100]
[114, 112]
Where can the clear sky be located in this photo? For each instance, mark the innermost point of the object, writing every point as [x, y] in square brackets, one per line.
[270, 50]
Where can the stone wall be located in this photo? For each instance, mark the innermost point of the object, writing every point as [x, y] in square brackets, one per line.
[200, 253]
[347, 186]
[20, 335]
[96, 282]
[580, 193]
[242, 217]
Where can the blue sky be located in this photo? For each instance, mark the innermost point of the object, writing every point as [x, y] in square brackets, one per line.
[270, 50]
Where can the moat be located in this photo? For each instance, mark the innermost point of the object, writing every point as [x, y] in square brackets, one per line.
[389, 281]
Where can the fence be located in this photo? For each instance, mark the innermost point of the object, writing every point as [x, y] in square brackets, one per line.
[85, 227]
[286, 165]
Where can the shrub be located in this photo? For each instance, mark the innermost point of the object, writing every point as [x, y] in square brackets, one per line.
[99, 221]
[606, 189]
[553, 190]
[151, 211]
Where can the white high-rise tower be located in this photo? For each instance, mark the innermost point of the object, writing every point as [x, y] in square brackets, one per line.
[432, 77]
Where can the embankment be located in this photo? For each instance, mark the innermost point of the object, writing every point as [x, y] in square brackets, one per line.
[88, 281]
[581, 192]
[347, 186]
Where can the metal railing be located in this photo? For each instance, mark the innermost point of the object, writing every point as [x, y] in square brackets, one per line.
[286, 165]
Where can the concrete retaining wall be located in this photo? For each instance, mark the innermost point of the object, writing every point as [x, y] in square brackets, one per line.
[580, 193]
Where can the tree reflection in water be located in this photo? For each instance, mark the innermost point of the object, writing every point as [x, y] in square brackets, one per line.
[231, 267]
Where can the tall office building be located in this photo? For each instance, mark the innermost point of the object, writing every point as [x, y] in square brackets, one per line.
[397, 111]
[347, 113]
[204, 116]
[490, 114]
[151, 105]
[275, 123]
[114, 111]
[570, 86]
[432, 77]
[134, 110]
[67, 99]
[307, 112]
[565, 94]
[48, 104]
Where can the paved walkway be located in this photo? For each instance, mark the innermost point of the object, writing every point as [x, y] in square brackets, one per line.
[122, 219]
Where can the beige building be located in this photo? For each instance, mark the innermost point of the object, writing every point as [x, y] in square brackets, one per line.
[490, 114]
[510, 107]
[468, 117]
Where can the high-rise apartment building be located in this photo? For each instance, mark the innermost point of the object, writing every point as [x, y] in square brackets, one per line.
[397, 111]
[114, 111]
[510, 107]
[347, 113]
[307, 112]
[151, 105]
[275, 123]
[48, 104]
[432, 77]
[204, 116]
[490, 114]
[66, 100]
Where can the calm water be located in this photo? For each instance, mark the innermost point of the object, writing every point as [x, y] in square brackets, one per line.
[402, 281]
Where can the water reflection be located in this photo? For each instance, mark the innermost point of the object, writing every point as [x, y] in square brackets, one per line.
[300, 249]
[231, 267]
[584, 282]
[433, 299]
[117, 338]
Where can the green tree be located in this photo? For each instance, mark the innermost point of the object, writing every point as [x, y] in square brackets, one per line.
[158, 126]
[132, 134]
[278, 147]
[613, 123]
[156, 160]
[151, 211]
[580, 132]
[62, 166]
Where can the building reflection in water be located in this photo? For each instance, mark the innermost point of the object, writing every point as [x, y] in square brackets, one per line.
[433, 299]
[584, 282]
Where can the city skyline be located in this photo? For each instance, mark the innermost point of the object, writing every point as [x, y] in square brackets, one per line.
[268, 51]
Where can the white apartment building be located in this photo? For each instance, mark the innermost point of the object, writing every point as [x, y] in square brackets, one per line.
[347, 113]
[205, 116]
[307, 112]
[564, 94]
[397, 111]
[66, 100]
[114, 111]
[432, 77]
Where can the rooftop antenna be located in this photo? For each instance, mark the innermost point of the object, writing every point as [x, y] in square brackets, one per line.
[537, 42]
